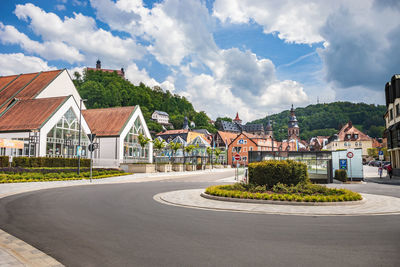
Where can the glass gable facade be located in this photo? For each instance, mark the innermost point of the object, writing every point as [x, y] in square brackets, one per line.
[63, 138]
[132, 148]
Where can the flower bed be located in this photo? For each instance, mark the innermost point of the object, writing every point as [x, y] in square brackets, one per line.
[19, 175]
[303, 192]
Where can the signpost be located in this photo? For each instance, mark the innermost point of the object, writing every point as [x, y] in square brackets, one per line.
[237, 158]
[343, 164]
[92, 146]
[381, 156]
[350, 155]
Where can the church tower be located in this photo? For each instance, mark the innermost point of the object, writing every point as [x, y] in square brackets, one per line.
[293, 126]
[268, 129]
[98, 64]
[237, 119]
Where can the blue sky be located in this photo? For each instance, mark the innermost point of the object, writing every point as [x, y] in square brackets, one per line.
[254, 57]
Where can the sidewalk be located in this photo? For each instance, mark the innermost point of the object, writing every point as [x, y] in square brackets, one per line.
[15, 252]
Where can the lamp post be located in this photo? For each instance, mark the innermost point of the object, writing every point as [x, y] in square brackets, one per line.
[33, 139]
[79, 139]
[68, 143]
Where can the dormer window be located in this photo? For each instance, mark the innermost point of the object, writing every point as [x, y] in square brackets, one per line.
[348, 136]
[356, 136]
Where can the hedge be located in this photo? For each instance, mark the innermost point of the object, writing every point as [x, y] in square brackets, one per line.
[341, 175]
[331, 194]
[31, 162]
[272, 172]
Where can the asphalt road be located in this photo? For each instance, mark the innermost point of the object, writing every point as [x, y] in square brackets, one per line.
[121, 225]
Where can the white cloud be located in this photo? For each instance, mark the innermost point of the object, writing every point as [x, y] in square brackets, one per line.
[82, 33]
[136, 76]
[19, 63]
[49, 50]
[60, 7]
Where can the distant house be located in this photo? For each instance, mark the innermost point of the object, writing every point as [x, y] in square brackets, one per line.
[318, 142]
[160, 117]
[236, 126]
[350, 137]
[120, 72]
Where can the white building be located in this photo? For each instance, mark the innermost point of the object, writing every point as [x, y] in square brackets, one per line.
[39, 116]
[160, 117]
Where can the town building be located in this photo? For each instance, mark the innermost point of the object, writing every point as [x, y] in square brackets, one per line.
[349, 137]
[120, 72]
[117, 130]
[160, 117]
[293, 142]
[236, 126]
[392, 120]
[318, 143]
[245, 142]
[222, 141]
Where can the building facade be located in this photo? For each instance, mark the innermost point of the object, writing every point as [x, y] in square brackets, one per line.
[160, 117]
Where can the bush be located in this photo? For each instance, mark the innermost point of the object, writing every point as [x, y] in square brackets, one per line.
[271, 172]
[4, 161]
[35, 162]
[341, 175]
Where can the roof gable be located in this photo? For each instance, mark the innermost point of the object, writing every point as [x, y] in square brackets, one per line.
[108, 121]
[29, 114]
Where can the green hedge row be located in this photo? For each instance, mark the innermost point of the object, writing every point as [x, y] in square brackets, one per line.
[29, 162]
[341, 175]
[338, 195]
[39, 177]
[271, 172]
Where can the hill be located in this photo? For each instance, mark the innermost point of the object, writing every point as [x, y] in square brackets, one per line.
[327, 119]
[104, 89]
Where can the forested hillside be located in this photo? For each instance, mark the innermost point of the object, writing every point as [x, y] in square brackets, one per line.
[327, 119]
[102, 90]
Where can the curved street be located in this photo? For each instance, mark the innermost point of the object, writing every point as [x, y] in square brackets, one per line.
[121, 225]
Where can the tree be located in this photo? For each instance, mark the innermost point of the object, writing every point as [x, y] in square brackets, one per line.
[201, 119]
[174, 147]
[210, 154]
[143, 141]
[157, 147]
[217, 152]
[188, 149]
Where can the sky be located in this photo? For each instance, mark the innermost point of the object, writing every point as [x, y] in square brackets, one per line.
[255, 57]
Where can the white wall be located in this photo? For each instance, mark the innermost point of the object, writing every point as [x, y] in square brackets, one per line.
[356, 170]
[108, 148]
[62, 85]
[70, 103]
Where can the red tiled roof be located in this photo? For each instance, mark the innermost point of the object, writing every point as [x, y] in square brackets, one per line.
[25, 86]
[350, 129]
[30, 114]
[107, 121]
[6, 79]
[227, 136]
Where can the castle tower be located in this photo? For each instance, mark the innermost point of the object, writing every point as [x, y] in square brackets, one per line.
[237, 120]
[98, 64]
[268, 129]
[293, 126]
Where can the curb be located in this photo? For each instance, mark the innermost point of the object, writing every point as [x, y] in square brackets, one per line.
[278, 202]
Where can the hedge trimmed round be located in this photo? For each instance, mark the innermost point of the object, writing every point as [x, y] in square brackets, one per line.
[330, 194]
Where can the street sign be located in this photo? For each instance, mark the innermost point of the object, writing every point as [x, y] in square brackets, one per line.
[350, 155]
[91, 137]
[343, 164]
[237, 157]
[380, 152]
[381, 157]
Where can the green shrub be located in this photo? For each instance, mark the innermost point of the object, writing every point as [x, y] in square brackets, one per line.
[271, 172]
[341, 175]
[4, 161]
[36, 162]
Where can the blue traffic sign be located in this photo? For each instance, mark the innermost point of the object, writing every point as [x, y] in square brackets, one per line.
[380, 152]
[343, 164]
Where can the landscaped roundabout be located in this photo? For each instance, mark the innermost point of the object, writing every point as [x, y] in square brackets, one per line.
[282, 187]
[281, 181]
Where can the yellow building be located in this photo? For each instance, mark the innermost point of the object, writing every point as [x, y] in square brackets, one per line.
[350, 137]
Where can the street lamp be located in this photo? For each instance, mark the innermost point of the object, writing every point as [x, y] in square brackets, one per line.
[79, 140]
[68, 143]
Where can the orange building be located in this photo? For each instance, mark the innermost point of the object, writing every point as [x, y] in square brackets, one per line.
[246, 142]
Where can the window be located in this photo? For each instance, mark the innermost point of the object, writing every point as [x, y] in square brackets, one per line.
[391, 114]
[244, 141]
[397, 110]
[244, 158]
[251, 148]
[348, 136]
[245, 149]
[132, 148]
[355, 136]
